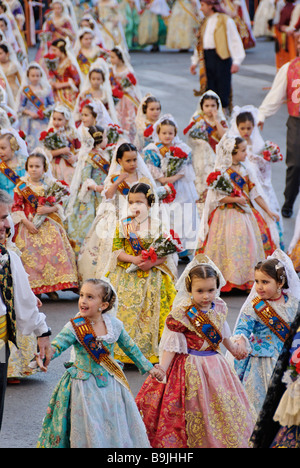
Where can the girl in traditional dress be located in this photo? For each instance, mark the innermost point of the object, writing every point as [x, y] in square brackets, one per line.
[205, 130]
[244, 123]
[131, 18]
[147, 290]
[86, 50]
[182, 24]
[159, 157]
[97, 88]
[34, 100]
[65, 79]
[13, 155]
[232, 232]
[56, 26]
[278, 423]
[11, 68]
[126, 169]
[86, 187]
[264, 322]
[125, 91]
[110, 18]
[147, 115]
[202, 403]
[47, 254]
[92, 113]
[92, 405]
[63, 159]
[13, 36]
[152, 28]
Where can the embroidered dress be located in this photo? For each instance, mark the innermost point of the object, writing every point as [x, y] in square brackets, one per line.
[85, 61]
[125, 94]
[145, 297]
[182, 211]
[91, 407]
[47, 256]
[82, 206]
[256, 370]
[202, 404]
[182, 24]
[33, 102]
[67, 72]
[238, 238]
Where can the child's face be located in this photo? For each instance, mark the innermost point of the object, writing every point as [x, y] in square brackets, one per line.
[114, 59]
[90, 301]
[153, 111]
[59, 120]
[209, 107]
[204, 292]
[245, 129]
[138, 205]
[128, 162]
[167, 134]
[241, 153]
[3, 56]
[87, 117]
[6, 153]
[34, 76]
[3, 26]
[35, 168]
[96, 80]
[86, 40]
[265, 286]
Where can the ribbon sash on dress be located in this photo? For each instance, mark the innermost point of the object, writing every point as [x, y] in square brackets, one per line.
[100, 162]
[203, 326]
[131, 235]
[98, 352]
[237, 179]
[123, 187]
[270, 318]
[33, 98]
[26, 191]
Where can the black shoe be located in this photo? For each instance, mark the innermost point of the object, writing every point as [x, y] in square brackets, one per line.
[287, 212]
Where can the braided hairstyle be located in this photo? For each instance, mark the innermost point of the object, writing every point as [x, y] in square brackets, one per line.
[275, 270]
[203, 272]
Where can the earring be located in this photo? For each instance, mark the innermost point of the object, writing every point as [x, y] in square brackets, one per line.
[279, 290]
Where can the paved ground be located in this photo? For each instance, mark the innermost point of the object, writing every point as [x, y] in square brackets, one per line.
[166, 74]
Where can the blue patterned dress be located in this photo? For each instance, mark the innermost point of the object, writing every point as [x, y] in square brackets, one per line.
[256, 370]
[89, 407]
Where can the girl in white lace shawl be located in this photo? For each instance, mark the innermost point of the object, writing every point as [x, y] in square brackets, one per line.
[96, 252]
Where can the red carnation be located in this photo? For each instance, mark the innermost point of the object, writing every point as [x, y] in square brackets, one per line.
[131, 78]
[40, 113]
[177, 152]
[117, 93]
[22, 134]
[43, 135]
[212, 177]
[188, 127]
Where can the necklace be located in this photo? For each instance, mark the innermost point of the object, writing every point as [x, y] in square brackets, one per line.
[93, 322]
[236, 164]
[141, 222]
[277, 298]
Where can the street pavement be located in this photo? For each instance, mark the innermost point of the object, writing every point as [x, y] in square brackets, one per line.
[165, 74]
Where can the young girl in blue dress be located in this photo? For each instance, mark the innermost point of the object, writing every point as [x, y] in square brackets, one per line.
[92, 405]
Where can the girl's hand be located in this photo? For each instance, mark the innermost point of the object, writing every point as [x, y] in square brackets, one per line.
[241, 200]
[122, 177]
[30, 226]
[157, 372]
[274, 216]
[43, 209]
[40, 362]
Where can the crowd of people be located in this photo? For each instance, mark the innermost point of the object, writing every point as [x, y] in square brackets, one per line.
[102, 194]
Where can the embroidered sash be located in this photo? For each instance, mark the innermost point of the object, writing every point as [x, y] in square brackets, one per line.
[6, 286]
[100, 162]
[236, 178]
[203, 326]
[98, 352]
[123, 187]
[3, 328]
[27, 193]
[270, 318]
[162, 149]
[130, 232]
[33, 98]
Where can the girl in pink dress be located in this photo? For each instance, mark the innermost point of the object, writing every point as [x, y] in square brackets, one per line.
[202, 403]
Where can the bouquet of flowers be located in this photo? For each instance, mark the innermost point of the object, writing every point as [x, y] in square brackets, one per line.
[53, 140]
[148, 131]
[173, 161]
[166, 244]
[221, 182]
[199, 132]
[113, 133]
[166, 193]
[271, 152]
[46, 113]
[51, 62]
[118, 89]
[57, 193]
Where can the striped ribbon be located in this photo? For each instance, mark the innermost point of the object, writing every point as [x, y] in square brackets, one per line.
[3, 328]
